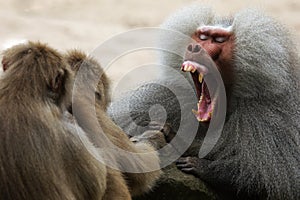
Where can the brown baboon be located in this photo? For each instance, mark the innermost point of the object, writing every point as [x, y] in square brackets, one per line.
[42, 156]
[138, 183]
[258, 154]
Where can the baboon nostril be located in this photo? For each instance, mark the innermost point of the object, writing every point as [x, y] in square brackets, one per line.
[196, 48]
[190, 48]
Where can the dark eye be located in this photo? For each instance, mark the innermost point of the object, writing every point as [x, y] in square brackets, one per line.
[203, 37]
[220, 39]
[98, 95]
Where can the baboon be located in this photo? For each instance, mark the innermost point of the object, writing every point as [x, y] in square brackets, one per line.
[138, 183]
[41, 155]
[258, 154]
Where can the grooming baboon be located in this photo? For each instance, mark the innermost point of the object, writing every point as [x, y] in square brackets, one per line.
[258, 154]
[42, 157]
[138, 183]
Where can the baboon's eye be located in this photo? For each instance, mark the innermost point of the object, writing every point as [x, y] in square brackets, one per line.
[98, 95]
[220, 39]
[203, 37]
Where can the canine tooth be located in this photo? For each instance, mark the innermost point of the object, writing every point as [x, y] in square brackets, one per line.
[200, 78]
[193, 70]
[195, 112]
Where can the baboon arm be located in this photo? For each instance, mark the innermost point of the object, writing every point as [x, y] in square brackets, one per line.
[147, 159]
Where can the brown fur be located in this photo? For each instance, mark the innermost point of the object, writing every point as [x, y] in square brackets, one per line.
[41, 157]
[138, 183]
[76, 59]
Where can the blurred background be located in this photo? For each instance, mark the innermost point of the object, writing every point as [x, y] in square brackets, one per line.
[82, 24]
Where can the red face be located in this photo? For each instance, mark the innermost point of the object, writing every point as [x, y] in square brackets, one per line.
[218, 43]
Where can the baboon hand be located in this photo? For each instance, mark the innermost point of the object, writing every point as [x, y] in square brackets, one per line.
[158, 135]
[165, 128]
[192, 165]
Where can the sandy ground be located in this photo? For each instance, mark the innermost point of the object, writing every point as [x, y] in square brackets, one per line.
[82, 24]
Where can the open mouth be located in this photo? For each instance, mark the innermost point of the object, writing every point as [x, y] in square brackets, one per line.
[205, 103]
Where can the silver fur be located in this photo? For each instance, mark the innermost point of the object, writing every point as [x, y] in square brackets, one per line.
[259, 149]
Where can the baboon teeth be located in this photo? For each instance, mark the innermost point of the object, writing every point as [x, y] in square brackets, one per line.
[200, 77]
[188, 68]
[201, 98]
[195, 112]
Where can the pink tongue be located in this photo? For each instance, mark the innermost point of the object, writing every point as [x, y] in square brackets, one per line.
[204, 105]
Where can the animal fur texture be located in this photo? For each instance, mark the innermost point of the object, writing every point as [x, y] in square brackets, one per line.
[41, 156]
[138, 182]
[259, 150]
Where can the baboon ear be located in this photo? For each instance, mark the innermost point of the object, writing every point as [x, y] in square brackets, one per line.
[57, 81]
